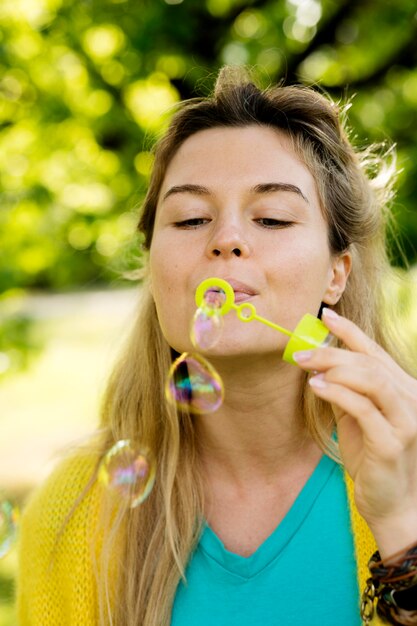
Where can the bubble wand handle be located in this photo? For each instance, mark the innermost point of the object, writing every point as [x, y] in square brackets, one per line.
[246, 312]
[272, 325]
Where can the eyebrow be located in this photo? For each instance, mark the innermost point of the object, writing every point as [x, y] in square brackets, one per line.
[273, 187]
[262, 188]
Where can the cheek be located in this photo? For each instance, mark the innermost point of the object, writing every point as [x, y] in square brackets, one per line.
[167, 289]
[310, 257]
[163, 271]
[302, 275]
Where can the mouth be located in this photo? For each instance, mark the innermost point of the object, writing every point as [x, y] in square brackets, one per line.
[242, 291]
[215, 294]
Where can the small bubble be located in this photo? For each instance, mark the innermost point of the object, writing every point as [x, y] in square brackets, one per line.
[129, 470]
[9, 519]
[194, 385]
[206, 328]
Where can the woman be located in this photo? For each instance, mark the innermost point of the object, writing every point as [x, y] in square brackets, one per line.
[252, 519]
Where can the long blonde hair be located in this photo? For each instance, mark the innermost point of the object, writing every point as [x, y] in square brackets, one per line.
[355, 190]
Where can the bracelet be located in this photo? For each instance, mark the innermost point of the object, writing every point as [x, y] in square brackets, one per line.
[394, 587]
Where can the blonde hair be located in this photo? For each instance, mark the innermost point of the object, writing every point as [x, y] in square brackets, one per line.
[355, 190]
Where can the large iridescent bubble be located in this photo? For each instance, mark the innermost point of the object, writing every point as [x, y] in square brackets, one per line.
[129, 470]
[194, 385]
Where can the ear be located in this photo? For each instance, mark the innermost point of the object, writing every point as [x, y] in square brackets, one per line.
[338, 275]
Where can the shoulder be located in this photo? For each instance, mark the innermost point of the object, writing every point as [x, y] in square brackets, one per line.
[70, 484]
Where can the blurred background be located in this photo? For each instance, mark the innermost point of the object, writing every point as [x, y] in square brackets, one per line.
[85, 89]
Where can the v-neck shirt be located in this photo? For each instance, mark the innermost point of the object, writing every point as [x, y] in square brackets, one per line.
[303, 574]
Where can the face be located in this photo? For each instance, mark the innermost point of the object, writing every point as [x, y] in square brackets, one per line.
[239, 204]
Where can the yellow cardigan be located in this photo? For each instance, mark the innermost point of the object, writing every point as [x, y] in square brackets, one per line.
[62, 591]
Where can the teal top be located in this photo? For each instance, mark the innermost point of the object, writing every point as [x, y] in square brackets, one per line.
[303, 574]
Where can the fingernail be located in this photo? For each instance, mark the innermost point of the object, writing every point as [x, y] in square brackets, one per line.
[318, 381]
[330, 314]
[302, 356]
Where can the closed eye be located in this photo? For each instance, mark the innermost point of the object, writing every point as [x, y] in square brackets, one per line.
[269, 222]
[193, 222]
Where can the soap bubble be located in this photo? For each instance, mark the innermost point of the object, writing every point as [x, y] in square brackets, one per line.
[129, 470]
[9, 518]
[206, 328]
[207, 324]
[214, 298]
[194, 385]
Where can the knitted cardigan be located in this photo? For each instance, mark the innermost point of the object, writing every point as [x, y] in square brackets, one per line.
[62, 591]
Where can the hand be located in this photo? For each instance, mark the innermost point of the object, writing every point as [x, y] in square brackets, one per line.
[375, 404]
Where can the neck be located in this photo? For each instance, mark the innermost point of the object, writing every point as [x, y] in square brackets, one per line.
[258, 433]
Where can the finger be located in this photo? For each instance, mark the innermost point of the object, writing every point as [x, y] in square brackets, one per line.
[397, 405]
[354, 338]
[357, 342]
[323, 359]
[394, 397]
[377, 432]
[374, 382]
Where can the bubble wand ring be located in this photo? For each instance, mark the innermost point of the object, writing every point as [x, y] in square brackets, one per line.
[309, 333]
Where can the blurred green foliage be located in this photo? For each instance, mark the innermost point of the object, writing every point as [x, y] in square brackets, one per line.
[19, 342]
[86, 87]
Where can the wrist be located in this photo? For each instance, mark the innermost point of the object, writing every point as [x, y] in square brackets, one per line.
[394, 535]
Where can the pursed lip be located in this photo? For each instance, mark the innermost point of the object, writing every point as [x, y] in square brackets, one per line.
[242, 291]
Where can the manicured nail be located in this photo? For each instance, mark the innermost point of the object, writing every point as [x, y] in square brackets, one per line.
[330, 314]
[302, 356]
[318, 381]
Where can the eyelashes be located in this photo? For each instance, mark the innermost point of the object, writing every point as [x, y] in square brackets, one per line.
[271, 223]
[265, 222]
[191, 223]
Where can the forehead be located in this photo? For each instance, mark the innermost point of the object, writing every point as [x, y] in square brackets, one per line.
[239, 156]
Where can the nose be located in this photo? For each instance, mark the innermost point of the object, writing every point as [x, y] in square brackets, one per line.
[228, 241]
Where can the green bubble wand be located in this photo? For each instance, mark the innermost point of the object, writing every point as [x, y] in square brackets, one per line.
[309, 333]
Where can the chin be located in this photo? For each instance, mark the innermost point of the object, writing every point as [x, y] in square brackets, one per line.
[243, 351]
